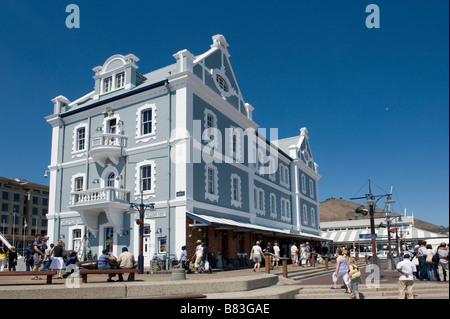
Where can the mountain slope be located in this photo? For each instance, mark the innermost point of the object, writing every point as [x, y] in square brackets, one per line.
[334, 209]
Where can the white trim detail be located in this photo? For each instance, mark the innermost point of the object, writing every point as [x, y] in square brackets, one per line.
[152, 135]
[273, 205]
[238, 202]
[75, 151]
[138, 178]
[286, 215]
[214, 196]
[260, 202]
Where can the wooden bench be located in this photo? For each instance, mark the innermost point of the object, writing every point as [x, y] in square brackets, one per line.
[85, 272]
[48, 273]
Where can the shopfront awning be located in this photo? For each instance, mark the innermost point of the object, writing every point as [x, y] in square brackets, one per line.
[352, 236]
[243, 226]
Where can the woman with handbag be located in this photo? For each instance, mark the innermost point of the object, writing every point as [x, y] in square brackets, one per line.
[431, 265]
[355, 277]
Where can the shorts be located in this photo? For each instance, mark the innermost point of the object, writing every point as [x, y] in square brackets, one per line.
[257, 258]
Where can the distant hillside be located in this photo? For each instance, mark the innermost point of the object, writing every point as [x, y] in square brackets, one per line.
[334, 209]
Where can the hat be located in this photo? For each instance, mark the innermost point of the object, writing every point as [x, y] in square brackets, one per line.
[406, 255]
[104, 251]
[198, 241]
[124, 249]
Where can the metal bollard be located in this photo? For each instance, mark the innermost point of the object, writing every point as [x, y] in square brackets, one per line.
[284, 263]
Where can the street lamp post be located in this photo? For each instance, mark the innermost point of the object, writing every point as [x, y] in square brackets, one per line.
[141, 207]
[370, 200]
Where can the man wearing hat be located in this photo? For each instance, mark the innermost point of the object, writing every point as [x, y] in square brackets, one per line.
[406, 268]
[198, 255]
[126, 261]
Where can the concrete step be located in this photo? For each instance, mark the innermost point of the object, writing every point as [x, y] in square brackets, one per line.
[421, 291]
[279, 291]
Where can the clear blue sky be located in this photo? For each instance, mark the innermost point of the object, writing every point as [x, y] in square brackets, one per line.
[375, 101]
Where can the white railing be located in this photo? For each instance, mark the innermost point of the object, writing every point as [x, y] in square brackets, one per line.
[108, 139]
[107, 194]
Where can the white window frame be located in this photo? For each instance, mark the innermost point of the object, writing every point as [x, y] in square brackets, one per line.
[120, 84]
[305, 214]
[313, 217]
[311, 188]
[214, 196]
[236, 202]
[284, 175]
[138, 177]
[260, 203]
[75, 151]
[273, 205]
[286, 215]
[303, 180]
[76, 177]
[152, 135]
[109, 88]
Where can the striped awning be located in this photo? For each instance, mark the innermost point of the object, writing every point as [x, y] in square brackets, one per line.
[352, 236]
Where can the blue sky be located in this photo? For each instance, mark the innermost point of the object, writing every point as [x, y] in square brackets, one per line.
[375, 101]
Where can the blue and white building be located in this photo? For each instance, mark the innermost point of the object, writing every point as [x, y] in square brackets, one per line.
[183, 138]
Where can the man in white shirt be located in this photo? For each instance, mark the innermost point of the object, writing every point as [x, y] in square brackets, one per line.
[406, 268]
[198, 255]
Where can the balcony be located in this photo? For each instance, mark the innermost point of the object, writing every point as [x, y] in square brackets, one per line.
[107, 146]
[114, 202]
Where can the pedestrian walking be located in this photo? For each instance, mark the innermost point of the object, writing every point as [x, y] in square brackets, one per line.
[308, 254]
[256, 255]
[443, 262]
[28, 258]
[303, 255]
[126, 261]
[294, 254]
[431, 265]
[12, 259]
[205, 263]
[341, 270]
[48, 257]
[3, 260]
[58, 263]
[355, 277]
[406, 268]
[39, 254]
[198, 255]
[276, 251]
[184, 260]
[422, 256]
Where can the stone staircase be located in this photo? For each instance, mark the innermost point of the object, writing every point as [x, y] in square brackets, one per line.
[421, 291]
[299, 273]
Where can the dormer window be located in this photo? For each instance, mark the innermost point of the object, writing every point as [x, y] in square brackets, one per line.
[107, 84]
[120, 80]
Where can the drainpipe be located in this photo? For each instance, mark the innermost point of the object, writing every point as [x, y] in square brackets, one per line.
[61, 179]
[170, 175]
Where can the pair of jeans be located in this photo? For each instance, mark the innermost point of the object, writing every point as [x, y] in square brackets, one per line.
[432, 269]
[203, 265]
[423, 272]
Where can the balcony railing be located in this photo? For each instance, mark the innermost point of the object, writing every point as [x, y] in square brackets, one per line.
[107, 146]
[101, 195]
[109, 139]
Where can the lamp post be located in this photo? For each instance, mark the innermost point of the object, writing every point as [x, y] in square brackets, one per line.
[141, 207]
[370, 200]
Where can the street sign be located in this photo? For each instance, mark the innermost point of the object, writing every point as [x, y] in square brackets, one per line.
[367, 236]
